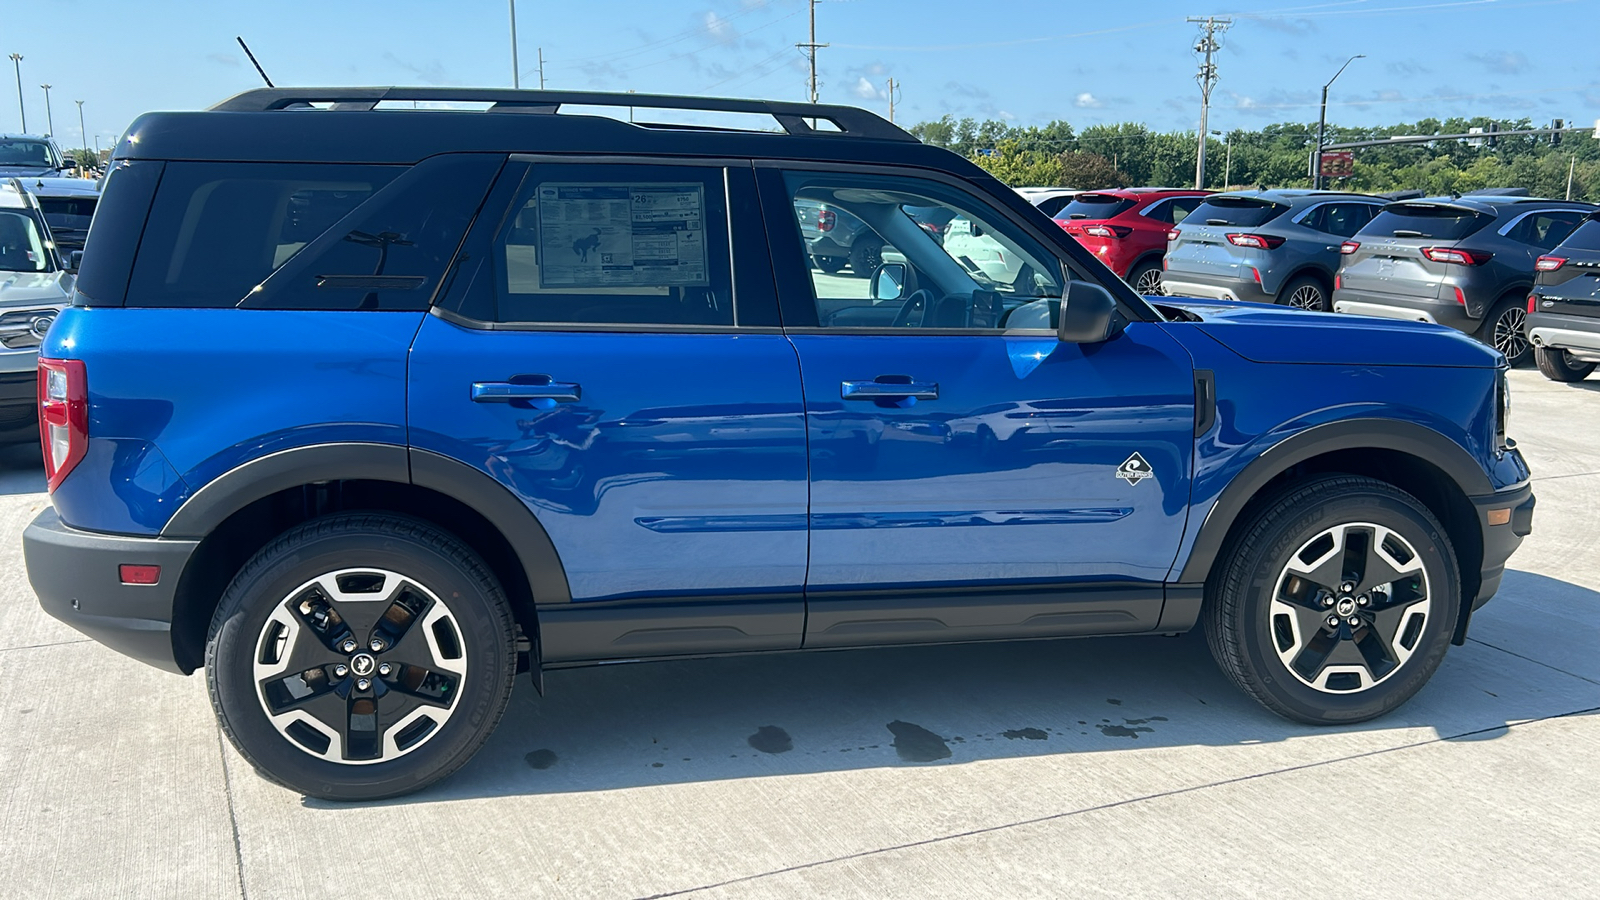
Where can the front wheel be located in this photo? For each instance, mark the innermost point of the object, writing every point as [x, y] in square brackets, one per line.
[361, 656]
[1337, 602]
[1558, 365]
[1505, 329]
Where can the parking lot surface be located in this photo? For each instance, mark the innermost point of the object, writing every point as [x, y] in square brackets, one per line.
[1105, 767]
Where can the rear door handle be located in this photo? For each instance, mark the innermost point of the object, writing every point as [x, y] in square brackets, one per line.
[507, 391]
[881, 390]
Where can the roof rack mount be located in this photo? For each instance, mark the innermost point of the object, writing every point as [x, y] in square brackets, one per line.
[792, 117]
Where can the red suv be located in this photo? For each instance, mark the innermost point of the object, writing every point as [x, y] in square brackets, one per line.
[1127, 228]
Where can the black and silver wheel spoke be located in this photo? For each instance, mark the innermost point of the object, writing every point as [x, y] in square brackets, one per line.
[1149, 283]
[1306, 297]
[1349, 607]
[359, 666]
[1509, 337]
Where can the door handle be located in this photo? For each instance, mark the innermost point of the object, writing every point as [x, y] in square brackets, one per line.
[508, 391]
[882, 390]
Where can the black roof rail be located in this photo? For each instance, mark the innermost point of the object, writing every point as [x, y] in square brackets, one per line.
[27, 198]
[851, 121]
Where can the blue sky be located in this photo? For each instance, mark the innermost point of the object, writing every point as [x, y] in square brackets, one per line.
[1023, 60]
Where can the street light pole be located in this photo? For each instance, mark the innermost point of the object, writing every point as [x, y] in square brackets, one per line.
[85, 132]
[1322, 123]
[49, 117]
[16, 59]
[516, 76]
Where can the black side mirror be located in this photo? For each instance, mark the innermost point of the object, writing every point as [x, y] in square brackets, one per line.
[1088, 314]
[74, 260]
[889, 281]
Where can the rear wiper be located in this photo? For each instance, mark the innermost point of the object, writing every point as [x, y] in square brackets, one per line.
[1077, 215]
[1406, 232]
[1217, 222]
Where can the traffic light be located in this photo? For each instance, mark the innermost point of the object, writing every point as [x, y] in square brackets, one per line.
[1493, 128]
[1555, 132]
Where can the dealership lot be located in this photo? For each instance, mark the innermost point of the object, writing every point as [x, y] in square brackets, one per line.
[1100, 767]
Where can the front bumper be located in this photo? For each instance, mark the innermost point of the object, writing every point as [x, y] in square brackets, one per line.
[1409, 309]
[75, 574]
[1210, 287]
[1500, 540]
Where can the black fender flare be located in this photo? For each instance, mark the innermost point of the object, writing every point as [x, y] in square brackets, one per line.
[1409, 438]
[358, 461]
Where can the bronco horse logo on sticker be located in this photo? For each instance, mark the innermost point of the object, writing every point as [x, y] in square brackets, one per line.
[1134, 469]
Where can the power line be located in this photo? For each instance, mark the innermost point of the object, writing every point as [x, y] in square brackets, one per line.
[1207, 78]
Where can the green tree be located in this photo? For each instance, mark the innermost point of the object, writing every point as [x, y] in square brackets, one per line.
[1090, 171]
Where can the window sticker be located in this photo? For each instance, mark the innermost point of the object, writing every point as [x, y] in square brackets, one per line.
[622, 235]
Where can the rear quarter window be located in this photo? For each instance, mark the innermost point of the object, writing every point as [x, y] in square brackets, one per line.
[1245, 212]
[1445, 223]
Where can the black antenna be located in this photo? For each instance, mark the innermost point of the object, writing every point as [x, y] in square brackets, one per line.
[254, 63]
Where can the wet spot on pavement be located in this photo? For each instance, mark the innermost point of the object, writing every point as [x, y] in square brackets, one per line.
[541, 759]
[771, 739]
[1131, 728]
[1113, 701]
[917, 744]
[1017, 734]
[656, 765]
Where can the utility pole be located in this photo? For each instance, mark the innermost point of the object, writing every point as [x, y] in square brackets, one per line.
[85, 132]
[1227, 165]
[1207, 77]
[541, 68]
[49, 117]
[892, 89]
[811, 47]
[16, 59]
[516, 76]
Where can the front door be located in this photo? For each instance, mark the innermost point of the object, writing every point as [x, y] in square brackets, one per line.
[971, 474]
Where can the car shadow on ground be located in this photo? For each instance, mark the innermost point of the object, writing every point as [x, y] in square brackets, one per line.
[21, 470]
[624, 726]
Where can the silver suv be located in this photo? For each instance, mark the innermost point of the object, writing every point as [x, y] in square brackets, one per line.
[1466, 262]
[1267, 246]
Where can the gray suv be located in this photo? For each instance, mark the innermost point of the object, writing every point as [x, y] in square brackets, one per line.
[1267, 246]
[1466, 262]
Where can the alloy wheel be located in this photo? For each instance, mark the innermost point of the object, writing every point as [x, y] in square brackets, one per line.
[1349, 608]
[1509, 336]
[1308, 297]
[1149, 283]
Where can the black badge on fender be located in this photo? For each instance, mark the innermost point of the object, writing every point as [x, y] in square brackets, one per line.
[1134, 469]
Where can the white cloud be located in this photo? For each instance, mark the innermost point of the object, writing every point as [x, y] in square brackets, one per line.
[865, 89]
[1087, 100]
[718, 26]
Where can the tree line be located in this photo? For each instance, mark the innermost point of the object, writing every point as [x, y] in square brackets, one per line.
[1129, 154]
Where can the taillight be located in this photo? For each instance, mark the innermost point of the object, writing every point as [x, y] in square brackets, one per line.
[826, 219]
[1256, 241]
[1549, 263]
[63, 416]
[1173, 235]
[1108, 231]
[1349, 247]
[1457, 256]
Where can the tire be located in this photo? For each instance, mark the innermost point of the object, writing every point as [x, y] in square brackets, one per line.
[1505, 329]
[443, 623]
[1558, 365]
[830, 264]
[1267, 624]
[866, 254]
[1145, 278]
[1305, 293]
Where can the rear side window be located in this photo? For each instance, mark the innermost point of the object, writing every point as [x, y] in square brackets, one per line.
[114, 233]
[1427, 220]
[1544, 230]
[1245, 212]
[217, 230]
[1094, 206]
[1340, 219]
[1173, 211]
[1586, 237]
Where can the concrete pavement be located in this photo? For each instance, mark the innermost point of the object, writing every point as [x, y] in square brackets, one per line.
[1124, 767]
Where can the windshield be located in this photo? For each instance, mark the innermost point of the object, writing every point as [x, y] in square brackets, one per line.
[1246, 212]
[1093, 206]
[1425, 220]
[21, 247]
[32, 154]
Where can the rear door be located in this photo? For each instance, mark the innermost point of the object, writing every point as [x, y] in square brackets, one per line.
[607, 356]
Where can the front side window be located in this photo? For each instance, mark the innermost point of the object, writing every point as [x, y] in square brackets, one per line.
[629, 245]
[973, 271]
[22, 247]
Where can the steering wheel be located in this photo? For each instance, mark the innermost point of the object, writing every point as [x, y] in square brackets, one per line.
[916, 304]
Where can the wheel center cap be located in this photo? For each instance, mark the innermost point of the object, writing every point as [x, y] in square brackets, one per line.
[1346, 606]
[363, 664]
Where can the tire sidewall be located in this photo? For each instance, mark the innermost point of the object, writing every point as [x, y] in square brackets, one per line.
[1288, 534]
[488, 648]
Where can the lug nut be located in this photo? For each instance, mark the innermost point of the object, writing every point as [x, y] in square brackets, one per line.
[1333, 621]
[1327, 601]
[348, 646]
[385, 669]
[376, 645]
[1363, 600]
[340, 671]
[363, 684]
[1347, 588]
[1353, 621]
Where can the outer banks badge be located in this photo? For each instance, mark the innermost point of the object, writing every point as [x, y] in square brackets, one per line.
[1134, 469]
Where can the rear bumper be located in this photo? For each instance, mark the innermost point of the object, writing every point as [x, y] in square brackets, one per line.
[1500, 541]
[1206, 287]
[1438, 312]
[1565, 333]
[19, 407]
[75, 574]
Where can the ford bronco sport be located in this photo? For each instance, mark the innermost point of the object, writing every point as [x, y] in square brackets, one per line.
[364, 409]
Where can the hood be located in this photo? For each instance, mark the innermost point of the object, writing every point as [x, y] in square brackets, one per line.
[28, 171]
[34, 288]
[58, 186]
[1276, 334]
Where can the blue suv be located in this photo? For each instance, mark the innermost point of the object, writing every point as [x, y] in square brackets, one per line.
[365, 410]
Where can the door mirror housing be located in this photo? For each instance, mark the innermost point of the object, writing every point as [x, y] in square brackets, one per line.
[889, 281]
[1088, 314]
[74, 260]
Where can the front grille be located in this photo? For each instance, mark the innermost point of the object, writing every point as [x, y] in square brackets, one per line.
[24, 329]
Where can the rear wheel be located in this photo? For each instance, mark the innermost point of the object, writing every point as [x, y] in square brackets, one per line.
[1146, 279]
[361, 656]
[1558, 365]
[1505, 329]
[829, 264]
[1337, 603]
[865, 256]
[1305, 293]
